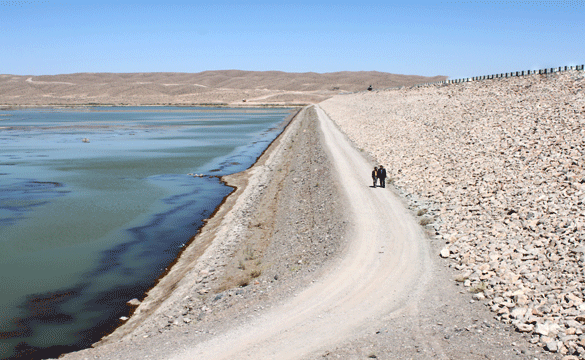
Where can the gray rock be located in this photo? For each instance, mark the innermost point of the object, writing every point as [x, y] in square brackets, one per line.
[524, 327]
[478, 296]
[552, 346]
[518, 313]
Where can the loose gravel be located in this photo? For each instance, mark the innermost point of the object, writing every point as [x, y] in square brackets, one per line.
[496, 171]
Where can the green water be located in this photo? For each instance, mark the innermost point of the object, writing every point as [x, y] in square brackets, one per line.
[87, 226]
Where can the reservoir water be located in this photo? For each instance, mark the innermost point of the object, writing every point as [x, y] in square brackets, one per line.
[95, 203]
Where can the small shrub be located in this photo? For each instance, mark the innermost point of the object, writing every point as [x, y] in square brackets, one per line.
[244, 282]
[461, 278]
[255, 273]
[249, 253]
[425, 221]
[478, 288]
[241, 265]
[421, 212]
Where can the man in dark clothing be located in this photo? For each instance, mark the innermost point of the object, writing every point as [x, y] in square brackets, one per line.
[382, 176]
[375, 175]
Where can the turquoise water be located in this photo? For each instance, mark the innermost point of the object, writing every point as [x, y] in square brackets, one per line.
[87, 226]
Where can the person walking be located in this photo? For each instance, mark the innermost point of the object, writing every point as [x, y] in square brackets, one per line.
[375, 175]
[382, 176]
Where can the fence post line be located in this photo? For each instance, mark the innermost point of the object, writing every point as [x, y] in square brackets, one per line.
[545, 71]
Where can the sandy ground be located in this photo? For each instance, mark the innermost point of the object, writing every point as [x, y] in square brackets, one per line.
[346, 272]
[221, 88]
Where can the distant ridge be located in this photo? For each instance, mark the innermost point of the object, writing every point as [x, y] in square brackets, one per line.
[210, 87]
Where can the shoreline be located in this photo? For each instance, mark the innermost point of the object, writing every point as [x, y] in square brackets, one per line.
[7, 107]
[298, 205]
[272, 215]
[194, 247]
[123, 309]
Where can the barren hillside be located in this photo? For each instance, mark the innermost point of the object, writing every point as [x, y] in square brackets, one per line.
[208, 87]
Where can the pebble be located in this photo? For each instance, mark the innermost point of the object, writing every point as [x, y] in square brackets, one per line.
[524, 328]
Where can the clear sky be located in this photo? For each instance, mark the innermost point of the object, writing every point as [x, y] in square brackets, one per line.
[453, 38]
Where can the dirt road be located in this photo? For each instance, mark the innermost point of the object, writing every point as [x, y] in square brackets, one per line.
[386, 263]
[377, 289]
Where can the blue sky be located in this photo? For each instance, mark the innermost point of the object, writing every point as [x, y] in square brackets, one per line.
[453, 38]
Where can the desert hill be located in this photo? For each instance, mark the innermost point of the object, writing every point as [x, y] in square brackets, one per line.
[209, 87]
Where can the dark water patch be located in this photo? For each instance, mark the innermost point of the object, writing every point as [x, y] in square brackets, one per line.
[25, 351]
[111, 259]
[46, 307]
[21, 196]
[44, 312]
[114, 300]
[167, 232]
[46, 184]
[39, 310]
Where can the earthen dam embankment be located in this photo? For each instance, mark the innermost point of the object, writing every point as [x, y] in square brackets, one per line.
[496, 168]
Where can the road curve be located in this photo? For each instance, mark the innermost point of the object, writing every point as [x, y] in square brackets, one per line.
[386, 264]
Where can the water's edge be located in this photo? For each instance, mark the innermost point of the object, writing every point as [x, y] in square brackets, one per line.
[187, 258]
[125, 313]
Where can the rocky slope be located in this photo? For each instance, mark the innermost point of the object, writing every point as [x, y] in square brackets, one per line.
[496, 169]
